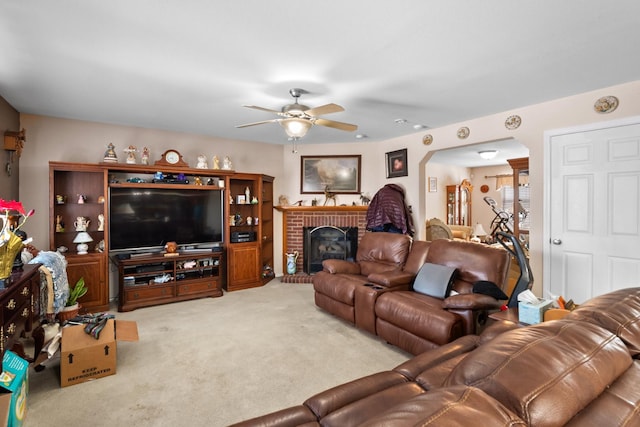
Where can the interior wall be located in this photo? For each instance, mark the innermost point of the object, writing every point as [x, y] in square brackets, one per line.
[536, 120]
[69, 140]
[436, 202]
[55, 139]
[9, 184]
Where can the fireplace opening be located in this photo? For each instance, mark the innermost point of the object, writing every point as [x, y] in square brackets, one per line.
[328, 242]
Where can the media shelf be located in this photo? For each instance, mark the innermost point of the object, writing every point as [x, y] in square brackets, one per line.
[248, 257]
[149, 280]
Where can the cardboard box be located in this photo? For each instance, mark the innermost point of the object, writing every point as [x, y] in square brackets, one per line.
[84, 358]
[533, 313]
[14, 387]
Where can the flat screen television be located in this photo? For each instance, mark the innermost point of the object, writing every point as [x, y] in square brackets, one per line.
[147, 218]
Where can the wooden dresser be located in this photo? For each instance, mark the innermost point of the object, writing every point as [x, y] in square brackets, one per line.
[20, 305]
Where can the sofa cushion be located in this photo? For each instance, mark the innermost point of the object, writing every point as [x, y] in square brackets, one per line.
[421, 315]
[618, 405]
[340, 287]
[296, 416]
[452, 406]
[545, 373]
[434, 280]
[379, 252]
[618, 312]
[471, 260]
[357, 401]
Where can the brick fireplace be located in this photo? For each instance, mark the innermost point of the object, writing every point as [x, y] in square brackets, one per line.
[296, 218]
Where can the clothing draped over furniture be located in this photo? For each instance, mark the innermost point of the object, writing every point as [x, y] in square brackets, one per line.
[55, 285]
[388, 211]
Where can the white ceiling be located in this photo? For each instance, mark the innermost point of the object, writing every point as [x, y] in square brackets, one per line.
[189, 66]
[467, 155]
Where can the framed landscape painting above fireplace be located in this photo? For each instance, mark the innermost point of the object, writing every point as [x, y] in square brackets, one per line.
[336, 174]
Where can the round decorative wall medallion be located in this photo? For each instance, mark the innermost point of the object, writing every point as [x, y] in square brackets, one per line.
[484, 188]
[463, 132]
[427, 139]
[606, 104]
[513, 122]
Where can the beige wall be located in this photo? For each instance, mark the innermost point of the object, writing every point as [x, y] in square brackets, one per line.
[9, 183]
[80, 141]
[436, 202]
[536, 120]
[69, 140]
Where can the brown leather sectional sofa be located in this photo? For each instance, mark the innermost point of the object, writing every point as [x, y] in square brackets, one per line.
[375, 292]
[580, 371]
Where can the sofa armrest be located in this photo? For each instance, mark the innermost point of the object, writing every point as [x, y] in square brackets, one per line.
[391, 279]
[335, 266]
[471, 302]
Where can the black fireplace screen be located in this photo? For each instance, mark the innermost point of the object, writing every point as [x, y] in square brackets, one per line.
[328, 242]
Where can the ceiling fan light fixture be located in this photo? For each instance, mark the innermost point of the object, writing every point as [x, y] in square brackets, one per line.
[296, 128]
[488, 154]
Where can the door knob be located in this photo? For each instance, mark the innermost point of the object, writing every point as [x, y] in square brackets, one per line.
[556, 241]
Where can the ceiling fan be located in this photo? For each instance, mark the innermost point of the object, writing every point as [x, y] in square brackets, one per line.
[297, 119]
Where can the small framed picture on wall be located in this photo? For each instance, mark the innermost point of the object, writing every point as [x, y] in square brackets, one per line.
[397, 163]
[433, 184]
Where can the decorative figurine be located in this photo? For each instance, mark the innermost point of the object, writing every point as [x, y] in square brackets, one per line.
[100, 222]
[59, 224]
[283, 200]
[329, 195]
[197, 180]
[110, 154]
[81, 199]
[249, 220]
[171, 248]
[145, 156]
[254, 201]
[247, 194]
[131, 154]
[82, 223]
[226, 163]
[216, 163]
[202, 162]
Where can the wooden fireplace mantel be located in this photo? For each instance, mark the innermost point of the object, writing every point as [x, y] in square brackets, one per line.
[322, 208]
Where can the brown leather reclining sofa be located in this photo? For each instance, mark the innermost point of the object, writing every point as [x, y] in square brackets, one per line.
[375, 292]
[581, 371]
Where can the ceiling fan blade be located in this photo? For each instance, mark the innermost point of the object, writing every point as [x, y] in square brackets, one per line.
[336, 125]
[268, 110]
[257, 123]
[324, 109]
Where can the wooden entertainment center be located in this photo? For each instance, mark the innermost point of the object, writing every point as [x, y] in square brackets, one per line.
[243, 260]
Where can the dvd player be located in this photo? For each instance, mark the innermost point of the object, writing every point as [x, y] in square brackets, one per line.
[243, 236]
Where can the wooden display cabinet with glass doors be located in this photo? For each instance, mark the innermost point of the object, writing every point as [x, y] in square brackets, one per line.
[459, 203]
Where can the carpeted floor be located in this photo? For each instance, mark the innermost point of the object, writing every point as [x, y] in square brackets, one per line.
[216, 361]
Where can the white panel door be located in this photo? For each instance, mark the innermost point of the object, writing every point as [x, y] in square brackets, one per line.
[594, 212]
